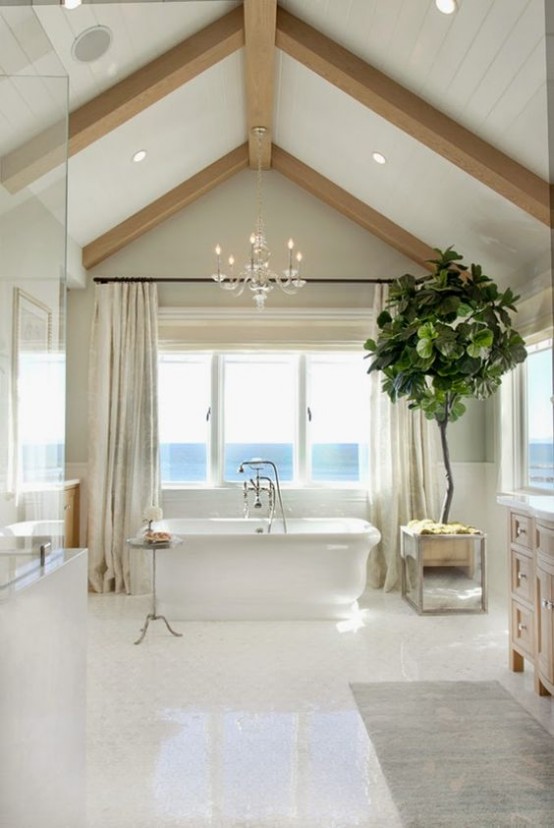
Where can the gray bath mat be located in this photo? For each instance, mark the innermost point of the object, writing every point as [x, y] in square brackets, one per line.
[459, 754]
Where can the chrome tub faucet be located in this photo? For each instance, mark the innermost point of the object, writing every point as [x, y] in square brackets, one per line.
[260, 484]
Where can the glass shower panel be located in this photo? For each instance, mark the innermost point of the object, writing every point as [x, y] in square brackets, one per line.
[33, 207]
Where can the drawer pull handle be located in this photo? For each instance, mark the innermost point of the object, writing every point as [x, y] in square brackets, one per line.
[521, 576]
[546, 604]
[520, 531]
[521, 627]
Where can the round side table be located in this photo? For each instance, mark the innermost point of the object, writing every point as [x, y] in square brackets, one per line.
[141, 543]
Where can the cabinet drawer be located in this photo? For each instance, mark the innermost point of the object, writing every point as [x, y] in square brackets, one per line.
[522, 575]
[545, 539]
[520, 529]
[522, 628]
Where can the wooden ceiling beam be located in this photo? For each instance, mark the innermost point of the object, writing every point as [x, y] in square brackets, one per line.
[260, 20]
[413, 115]
[126, 99]
[351, 207]
[164, 207]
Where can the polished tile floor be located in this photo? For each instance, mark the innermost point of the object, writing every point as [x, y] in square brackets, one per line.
[253, 724]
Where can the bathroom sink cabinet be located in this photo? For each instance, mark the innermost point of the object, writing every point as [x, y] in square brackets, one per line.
[545, 606]
[522, 604]
[531, 561]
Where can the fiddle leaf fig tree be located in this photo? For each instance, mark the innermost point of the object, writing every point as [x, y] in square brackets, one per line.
[442, 338]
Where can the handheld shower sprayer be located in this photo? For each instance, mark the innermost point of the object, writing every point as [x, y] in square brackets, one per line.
[256, 464]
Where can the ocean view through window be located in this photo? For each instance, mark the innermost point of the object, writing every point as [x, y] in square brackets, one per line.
[307, 412]
[540, 438]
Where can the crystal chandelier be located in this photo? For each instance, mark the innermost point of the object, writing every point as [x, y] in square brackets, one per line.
[256, 272]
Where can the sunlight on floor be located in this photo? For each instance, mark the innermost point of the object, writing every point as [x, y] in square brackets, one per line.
[254, 723]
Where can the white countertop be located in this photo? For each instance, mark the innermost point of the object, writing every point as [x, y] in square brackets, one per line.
[541, 506]
[20, 568]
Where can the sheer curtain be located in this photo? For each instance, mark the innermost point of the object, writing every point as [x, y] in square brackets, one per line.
[123, 449]
[403, 469]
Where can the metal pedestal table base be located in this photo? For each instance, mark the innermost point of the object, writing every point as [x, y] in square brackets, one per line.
[153, 617]
[140, 543]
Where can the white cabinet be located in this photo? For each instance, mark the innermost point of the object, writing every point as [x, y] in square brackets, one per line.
[43, 692]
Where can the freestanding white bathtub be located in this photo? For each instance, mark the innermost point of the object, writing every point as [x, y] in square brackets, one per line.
[232, 569]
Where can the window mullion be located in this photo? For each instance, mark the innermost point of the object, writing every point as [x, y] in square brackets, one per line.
[302, 440]
[216, 420]
[521, 454]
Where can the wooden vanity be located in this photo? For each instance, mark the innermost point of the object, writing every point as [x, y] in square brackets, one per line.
[531, 567]
[71, 509]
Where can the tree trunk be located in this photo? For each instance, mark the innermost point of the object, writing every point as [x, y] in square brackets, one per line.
[448, 472]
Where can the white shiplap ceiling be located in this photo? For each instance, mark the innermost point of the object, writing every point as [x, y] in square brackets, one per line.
[484, 67]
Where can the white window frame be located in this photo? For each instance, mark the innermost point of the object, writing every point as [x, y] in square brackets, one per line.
[515, 438]
[215, 466]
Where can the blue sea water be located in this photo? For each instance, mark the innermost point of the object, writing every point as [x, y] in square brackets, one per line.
[188, 463]
[339, 462]
[541, 464]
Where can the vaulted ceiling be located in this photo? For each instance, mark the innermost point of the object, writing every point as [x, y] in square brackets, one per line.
[456, 103]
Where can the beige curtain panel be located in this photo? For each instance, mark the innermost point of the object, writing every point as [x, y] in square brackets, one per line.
[403, 452]
[124, 445]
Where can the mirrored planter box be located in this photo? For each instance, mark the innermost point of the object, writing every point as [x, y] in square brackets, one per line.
[443, 573]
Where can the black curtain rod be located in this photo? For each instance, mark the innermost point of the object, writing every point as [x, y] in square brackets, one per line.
[104, 280]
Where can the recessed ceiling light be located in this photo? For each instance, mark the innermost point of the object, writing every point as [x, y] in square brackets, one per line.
[91, 44]
[379, 158]
[71, 4]
[446, 6]
[139, 156]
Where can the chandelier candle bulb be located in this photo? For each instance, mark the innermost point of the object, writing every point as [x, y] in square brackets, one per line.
[297, 281]
[217, 277]
[290, 246]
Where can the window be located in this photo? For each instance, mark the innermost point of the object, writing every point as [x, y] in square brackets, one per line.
[337, 419]
[308, 412]
[184, 409]
[259, 412]
[39, 426]
[538, 445]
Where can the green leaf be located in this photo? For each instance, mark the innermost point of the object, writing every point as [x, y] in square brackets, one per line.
[483, 338]
[518, 353]
[450, 304]
[384, 318]
[468, 366]
[427, 331]
[474, 350]
[457, 410]
[425, 348]
[449, 348]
